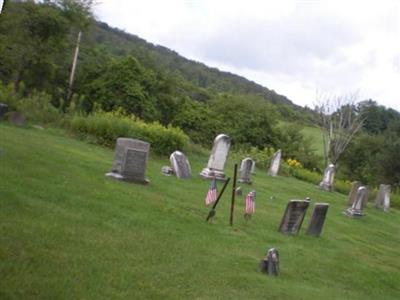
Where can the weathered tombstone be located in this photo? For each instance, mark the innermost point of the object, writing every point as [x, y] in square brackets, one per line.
[356, 210]
[366, 197]
[382, 200]
[293, 216]
[327, 182]
[130, 160]
[275, 163]
[317, 219]
[270, 263]
[3, 110]
[180, 165]
[167, 171]
[217, 160]
[17, 118]
[353, 192]
[253, 167]
[245, 170]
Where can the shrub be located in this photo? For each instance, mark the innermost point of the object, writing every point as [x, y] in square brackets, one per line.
[105, 127]
[261, 157]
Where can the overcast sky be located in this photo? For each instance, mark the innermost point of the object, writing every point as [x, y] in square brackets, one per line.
[297, 48]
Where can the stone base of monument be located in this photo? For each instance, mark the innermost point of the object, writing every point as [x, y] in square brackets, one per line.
[118, 176]
[353, 213]
[245, 181]
[208, 173]
[325, 186]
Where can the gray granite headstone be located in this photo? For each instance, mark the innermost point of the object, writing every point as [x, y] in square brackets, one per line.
[180, 165]
[329, 175]
[130, 160]
[245, 171]
[382, 200]
[317, 219]
[356, 210]
[217, 160]
[293, 216]
[275, 163]
[270, 263]
[253, 165]
[353, 192]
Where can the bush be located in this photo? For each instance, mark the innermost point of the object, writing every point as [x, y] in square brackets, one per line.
[105, 127]
[261, 157]
[36, 106]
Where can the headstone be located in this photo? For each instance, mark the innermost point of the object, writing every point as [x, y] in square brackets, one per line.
[180, 165]
[382, 200]
[270, 263]
[275, 163]
[356, 210]
[167, 171]
[317, 219]
[353, 192]
[327, 182]
[3, 110]
[366, 196]
[294, 216]
[253, 165]
[17, 118]
[217, 160]
[130, 160]
[245, 170]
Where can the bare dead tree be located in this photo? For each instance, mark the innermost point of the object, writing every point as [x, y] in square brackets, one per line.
[338, 122]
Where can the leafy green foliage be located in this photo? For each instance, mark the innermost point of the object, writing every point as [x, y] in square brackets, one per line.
[105, 127]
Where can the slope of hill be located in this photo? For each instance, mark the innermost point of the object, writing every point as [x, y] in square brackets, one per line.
[122, 43]
[67, 232]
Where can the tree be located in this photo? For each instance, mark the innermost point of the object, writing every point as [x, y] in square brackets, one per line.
[339, 122]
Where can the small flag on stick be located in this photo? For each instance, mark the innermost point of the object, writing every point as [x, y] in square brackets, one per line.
[212, 192]
[250, 205]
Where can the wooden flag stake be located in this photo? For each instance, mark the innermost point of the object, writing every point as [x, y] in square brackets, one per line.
[233, 195]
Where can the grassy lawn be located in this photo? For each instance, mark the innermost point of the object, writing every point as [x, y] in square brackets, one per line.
[67, 232]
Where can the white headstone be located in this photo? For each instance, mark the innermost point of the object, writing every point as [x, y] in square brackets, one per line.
[327, 182]
[217, 160]
[275, 163]
[356, 210]
[180, 165]
[382, 200]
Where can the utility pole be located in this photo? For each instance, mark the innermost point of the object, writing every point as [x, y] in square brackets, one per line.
[72, 75]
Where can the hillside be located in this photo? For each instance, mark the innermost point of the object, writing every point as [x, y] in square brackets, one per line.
[197, 73]
[67, 232]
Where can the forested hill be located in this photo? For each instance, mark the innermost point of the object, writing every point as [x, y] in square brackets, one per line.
[156, 56]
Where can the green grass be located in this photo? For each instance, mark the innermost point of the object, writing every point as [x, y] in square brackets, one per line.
[315, 133]
[67, 232]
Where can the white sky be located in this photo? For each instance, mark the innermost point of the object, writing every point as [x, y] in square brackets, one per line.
[1, 5]
[296, 47]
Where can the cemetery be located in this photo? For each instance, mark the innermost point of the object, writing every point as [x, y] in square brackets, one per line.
[153, 241]
[131, 170]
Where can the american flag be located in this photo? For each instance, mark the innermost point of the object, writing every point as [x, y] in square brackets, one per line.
[212, 192]
[250, 205]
